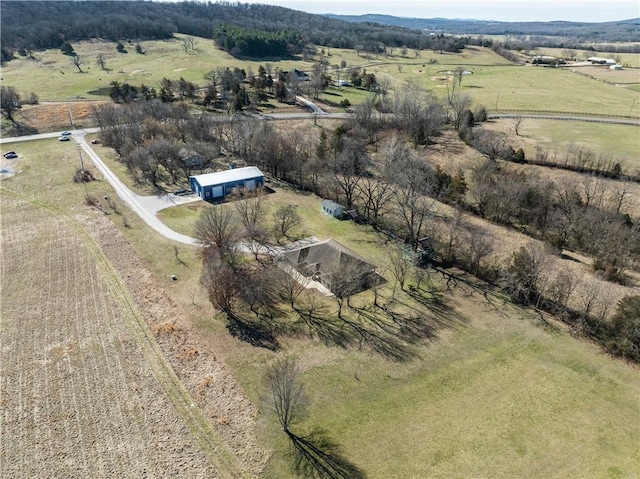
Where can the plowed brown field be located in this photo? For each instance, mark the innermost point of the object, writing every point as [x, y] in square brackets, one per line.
[85, 388]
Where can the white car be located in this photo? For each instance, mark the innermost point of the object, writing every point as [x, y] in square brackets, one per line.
[64, 138]
[65, 133]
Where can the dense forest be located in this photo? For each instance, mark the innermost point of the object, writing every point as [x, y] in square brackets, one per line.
[38, 25]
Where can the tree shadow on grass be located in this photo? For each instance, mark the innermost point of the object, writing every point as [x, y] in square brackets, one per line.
[330, 331]
[317, 456]
[253, 332]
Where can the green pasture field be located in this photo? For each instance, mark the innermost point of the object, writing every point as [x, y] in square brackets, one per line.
[621, 141]
[498, 397]
[495, 83]
[498, 84]
[545, 89]
[492, 394]
[53, 77]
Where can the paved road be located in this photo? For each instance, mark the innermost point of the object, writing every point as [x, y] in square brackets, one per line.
[551, 116]
[43, 136]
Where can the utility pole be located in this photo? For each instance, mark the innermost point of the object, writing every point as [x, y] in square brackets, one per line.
[86, 190]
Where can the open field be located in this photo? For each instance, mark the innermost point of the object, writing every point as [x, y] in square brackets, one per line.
[80, 397]
[499, 397]
[54, 77]
[619, 141]
[495, 83]
[87, 389]
[627, 78]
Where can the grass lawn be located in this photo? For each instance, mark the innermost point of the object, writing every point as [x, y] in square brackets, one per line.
[500, 397]
[314, 223]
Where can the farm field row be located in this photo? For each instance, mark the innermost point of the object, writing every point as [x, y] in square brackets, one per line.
[80, 397]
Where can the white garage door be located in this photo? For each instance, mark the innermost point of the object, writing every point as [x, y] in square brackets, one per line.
[250, 185]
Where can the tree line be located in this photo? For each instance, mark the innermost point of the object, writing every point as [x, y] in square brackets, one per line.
[241, 41]
[38, 25]
[556, 31]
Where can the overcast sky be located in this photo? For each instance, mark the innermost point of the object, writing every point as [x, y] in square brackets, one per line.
[502, 10]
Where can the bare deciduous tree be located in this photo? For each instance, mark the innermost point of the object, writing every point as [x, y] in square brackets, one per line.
[285, 393]
[517, 123]
[220, 282]
[217, 227]
[349, 166]
[375, 195]
[9, 101]
[479, 245]
[77, 61]
[492, 144]
[415, 182]
[290, 284]
[285, 219]
[189, 44]
[528, 274]
[399, 265]
[249, 207]
[563, 286]
[458, 104]
[101, 61]
[346, 279]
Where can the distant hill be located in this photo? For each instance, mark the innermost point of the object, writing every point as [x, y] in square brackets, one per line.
[46, 24]
[620, 31]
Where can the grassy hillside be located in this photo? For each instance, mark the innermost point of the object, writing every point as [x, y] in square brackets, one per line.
[495, 82]
[53, 76]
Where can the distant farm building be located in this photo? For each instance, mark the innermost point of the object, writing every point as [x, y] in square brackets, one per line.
[331, 263]
[294, 73]
[332, 208]
[544, 60]
[601, 61]
[211, 186]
